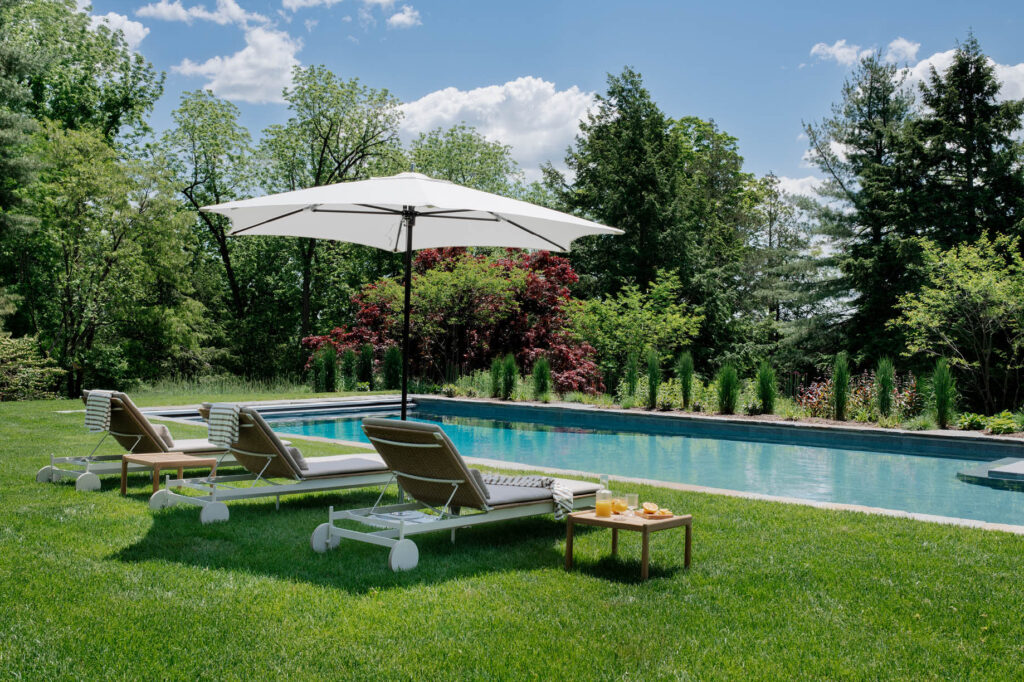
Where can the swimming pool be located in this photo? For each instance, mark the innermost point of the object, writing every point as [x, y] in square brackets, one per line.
[922, 484]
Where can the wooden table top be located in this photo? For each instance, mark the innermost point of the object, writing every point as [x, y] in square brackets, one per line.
[628, 522]
[170, 459]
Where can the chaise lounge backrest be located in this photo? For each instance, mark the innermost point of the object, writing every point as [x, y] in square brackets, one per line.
[424, 451]
[131, 428]
[257, 442]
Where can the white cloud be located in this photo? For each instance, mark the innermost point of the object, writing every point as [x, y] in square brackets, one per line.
[256, 73]
[295, 5]
[310, 24]
[804, 186]
[133, 31]
[407, 18]
[901, 50]
[227, 12]
[839, 51]
[529, 114]
[1010, 75]
[383, 4]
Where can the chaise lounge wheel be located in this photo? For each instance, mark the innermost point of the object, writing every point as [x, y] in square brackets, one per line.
[160, 499]
[46, 475]
[321, 540]
[215, 512]
[404, 556]
[87, 481]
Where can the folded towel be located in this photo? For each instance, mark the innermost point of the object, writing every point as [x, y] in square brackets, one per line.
[97, 411]
[223, 425]
[563, 496]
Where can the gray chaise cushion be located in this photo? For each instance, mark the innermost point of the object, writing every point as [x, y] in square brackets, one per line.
[338, 465]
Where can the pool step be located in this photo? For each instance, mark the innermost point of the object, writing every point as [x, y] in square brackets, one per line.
[1006, 473]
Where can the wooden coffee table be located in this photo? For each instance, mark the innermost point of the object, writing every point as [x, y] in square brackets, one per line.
[618, 522]
[158, 461]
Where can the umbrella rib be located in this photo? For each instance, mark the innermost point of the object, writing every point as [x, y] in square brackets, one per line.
[268, 220]
[528, 231]
[458, 217]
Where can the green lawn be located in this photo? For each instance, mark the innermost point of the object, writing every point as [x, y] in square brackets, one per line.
[93, 585]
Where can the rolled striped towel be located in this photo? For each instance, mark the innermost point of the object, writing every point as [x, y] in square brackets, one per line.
[97, 411]
[223, 424]
[563, 496]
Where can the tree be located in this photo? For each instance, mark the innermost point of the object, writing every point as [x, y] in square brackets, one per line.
[865, 210]
[338, 131]
[469, 308]
[17, 165]
[211, 155]
[464, 156]
[968, 151]
[89, 78]
[631, 321]
[970, 309]
[96, 271]
[625, 162]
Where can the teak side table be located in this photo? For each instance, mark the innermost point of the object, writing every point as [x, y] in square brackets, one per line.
[164, 460]
[619, 522]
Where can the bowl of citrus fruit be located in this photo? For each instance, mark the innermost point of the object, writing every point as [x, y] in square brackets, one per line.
[650, 510]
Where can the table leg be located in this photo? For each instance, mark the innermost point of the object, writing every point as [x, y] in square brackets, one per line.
[124, 476]
[615, 541]
[181, 473]
[645, 556]
[156, 478]
[568, 544]
[689, 540]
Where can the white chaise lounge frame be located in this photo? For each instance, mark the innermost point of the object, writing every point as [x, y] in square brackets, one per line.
[86, 469]
[399, 521]
[215, 491]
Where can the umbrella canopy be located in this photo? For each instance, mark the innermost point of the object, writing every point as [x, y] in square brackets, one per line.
[407, 212]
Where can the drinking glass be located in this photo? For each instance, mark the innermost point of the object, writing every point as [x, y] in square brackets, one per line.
[632, 502]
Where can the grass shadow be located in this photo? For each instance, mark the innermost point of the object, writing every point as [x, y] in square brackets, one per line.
[259, 539]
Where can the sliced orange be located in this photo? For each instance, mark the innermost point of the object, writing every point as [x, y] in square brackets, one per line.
[649, 507]
[663, 512]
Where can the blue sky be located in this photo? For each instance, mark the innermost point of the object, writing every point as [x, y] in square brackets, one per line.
[525, 72]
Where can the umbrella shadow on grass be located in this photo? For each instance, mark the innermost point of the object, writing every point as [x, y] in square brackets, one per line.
[261, 540]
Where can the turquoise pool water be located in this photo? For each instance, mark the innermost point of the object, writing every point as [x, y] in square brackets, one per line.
[876, 479]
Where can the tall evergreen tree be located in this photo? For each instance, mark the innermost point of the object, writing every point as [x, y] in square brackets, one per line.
[625, 163]
[864, 207]
[972, 180]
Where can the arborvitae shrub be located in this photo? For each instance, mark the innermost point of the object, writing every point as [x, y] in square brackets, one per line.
[684, 372]
[840, 385]
[393, 368]
[767, 388]
[509, 377]
[348, 370]
[728, 389]
[541, 378]
[885, 383]
[364, 367]
[944, 392]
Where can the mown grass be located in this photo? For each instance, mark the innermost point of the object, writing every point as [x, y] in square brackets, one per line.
[94, 585]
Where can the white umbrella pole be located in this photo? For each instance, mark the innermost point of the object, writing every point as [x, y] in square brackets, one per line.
[410, 220]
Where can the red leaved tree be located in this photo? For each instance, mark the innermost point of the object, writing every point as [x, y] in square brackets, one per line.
[470, 308]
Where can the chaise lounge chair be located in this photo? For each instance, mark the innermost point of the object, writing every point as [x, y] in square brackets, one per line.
[447, 494]
[265, 457]
[134, 432]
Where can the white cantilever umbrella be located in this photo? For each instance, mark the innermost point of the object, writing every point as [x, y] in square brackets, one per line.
[407, 212]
